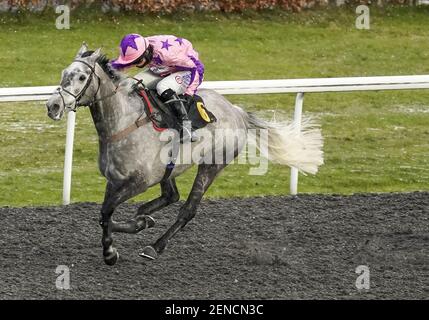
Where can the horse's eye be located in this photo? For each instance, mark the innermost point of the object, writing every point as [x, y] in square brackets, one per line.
[82, 78]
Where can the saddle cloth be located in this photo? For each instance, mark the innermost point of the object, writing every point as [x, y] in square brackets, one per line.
[163, 117]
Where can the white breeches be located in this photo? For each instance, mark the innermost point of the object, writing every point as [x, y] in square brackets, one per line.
[178, 81]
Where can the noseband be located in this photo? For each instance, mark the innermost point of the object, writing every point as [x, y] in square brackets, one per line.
[78, 96]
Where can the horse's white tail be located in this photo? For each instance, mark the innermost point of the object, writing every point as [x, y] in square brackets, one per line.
[301, 149]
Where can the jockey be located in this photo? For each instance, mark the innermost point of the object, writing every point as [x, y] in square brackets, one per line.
[172, 58]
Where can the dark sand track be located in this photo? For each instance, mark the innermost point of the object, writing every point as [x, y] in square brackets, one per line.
[305, 247]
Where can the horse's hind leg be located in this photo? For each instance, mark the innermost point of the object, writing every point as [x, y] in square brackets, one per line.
[206, 174]
[169, 195]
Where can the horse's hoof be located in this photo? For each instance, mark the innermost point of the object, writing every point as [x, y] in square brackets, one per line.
[111, 259]
[145, 222]
[149, 252]
[150, 222]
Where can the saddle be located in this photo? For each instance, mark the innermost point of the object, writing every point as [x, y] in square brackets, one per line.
[163, 117]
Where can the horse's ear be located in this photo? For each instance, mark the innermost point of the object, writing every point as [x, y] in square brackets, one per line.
[83, 48]
[95, 55]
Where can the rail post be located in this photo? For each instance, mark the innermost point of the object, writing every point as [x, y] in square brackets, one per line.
[297, 123]
[68, 158]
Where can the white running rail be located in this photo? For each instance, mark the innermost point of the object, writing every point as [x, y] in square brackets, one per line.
[298, 86]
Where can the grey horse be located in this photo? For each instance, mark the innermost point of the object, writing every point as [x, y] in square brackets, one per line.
[132, 163]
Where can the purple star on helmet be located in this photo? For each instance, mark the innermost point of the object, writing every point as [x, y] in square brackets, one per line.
[157, 60]
[128, 41]
[180, 40]
[165, 44]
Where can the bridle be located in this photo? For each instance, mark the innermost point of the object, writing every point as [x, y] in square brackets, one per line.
[82, 92]
[78, 96]
[118, 136]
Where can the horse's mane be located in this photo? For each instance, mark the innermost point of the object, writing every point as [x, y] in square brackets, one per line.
[103, 62]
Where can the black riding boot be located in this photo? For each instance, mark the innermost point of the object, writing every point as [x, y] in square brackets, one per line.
[184, 124]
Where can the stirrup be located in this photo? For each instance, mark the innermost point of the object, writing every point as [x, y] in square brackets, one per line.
[191, 136]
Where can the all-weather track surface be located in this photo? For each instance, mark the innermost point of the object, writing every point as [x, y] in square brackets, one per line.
[304, 247]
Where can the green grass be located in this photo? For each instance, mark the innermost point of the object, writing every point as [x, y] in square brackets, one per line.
[374, 141]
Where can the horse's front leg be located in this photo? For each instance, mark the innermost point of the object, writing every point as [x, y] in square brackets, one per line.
[142, 220]
[114, 196]
[206, 174]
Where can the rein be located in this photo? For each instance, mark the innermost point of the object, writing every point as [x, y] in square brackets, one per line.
[137, 124]
[117, 136]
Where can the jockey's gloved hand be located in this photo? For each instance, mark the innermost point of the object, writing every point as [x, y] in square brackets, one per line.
[137, 86]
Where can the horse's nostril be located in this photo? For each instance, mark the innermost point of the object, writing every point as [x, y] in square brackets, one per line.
[55, 107]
